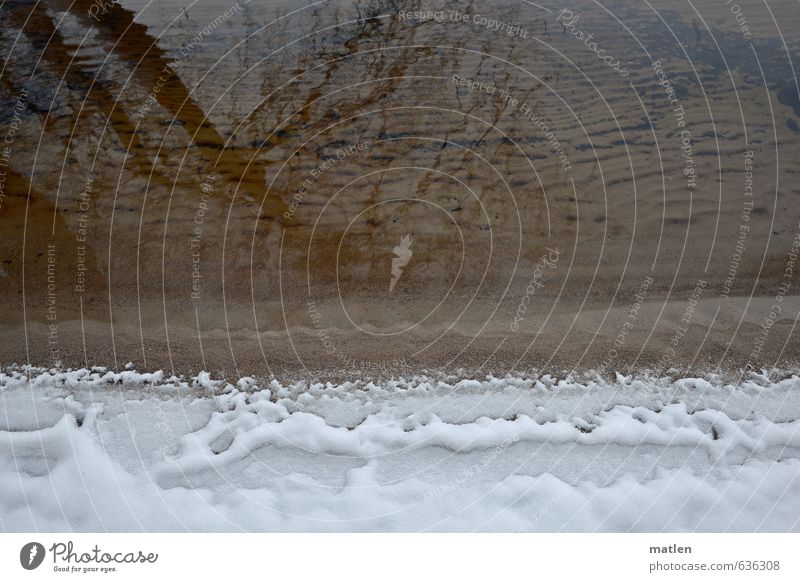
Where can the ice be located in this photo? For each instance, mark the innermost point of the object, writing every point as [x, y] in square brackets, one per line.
[95, 450]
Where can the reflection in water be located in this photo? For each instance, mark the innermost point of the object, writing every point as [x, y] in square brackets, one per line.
[203, 172]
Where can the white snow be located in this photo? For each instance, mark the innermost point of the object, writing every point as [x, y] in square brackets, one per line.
[95, 450]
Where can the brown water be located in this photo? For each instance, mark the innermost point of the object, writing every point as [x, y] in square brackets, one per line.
[225, 186]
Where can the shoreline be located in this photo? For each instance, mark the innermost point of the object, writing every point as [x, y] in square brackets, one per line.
[697, 334]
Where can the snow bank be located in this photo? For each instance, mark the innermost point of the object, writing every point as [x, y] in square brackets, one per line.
[95, 450]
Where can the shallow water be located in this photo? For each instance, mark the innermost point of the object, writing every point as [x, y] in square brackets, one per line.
[223, 186]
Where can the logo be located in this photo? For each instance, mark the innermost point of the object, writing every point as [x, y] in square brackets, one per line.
[402, 256]
[31, 555]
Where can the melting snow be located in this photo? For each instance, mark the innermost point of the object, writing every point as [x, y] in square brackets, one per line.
[95, 450]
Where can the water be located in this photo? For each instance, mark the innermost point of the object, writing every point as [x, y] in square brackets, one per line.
[185, 181]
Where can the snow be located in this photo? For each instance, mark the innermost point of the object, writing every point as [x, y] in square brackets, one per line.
[96, 450]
